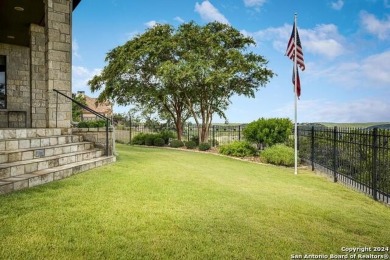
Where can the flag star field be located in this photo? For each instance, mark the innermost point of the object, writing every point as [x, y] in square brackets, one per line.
[346, 47]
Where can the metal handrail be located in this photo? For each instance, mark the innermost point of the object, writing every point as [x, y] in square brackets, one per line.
[86, 108]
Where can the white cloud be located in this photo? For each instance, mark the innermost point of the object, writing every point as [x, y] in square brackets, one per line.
[338, 5]
[323, 40]
[371, 24]
[81, 76]
[75, 49]
[131, 35]
[254, 3]
[371, 72]
[151, 24]
[178, 19]
[209, 13]
[377, 67]
[320, 110]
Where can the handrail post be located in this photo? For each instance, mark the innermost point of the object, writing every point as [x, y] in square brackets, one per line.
[107, 141]
[57, 110]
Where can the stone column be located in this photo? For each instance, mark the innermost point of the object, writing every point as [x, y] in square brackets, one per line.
[58, 15]
[38, 76]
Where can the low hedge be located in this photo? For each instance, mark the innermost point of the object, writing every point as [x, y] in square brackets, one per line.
[204, 147]
[238, 149]
[176, 144]
[279, 154]
[190, 144]
[158, 141]
[91, 124]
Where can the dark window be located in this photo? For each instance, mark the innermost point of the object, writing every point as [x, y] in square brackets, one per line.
[3, 82]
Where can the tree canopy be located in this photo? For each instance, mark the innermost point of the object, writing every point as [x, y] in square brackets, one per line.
[189, 71]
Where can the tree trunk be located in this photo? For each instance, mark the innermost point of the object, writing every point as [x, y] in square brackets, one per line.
[179, 128]
[206, 122]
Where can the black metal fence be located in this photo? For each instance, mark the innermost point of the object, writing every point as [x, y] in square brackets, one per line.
[357, 157]
[218, 134]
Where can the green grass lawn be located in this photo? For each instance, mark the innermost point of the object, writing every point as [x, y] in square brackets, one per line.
[166, 204]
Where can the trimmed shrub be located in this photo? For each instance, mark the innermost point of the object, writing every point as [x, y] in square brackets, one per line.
[195, 139]
[158, 141]
[91, 124]
[176, 144]
[139, 139]
[267, 132]
[149, 139]
[166, 135]
[279, 154]
[290, 141]
[190, 144]
[119, 141]
[238, 149]
[204, 147]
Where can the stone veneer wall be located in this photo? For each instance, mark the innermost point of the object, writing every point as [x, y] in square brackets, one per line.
[38, 76]
[58, 22]
[33, 72]
[98, 136]
[18, 86]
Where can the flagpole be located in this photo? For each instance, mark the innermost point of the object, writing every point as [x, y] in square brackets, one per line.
[296, 97]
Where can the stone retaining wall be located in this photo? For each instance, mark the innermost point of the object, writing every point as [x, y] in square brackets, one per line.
[98, 136]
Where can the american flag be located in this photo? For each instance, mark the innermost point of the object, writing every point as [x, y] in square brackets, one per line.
[298, 83]
[291, 46]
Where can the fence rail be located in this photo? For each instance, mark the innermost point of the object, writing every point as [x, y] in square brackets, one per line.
[356, 157]
[218, 134]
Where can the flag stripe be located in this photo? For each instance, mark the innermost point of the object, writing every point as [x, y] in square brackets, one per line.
[298, 83]
[291, 49]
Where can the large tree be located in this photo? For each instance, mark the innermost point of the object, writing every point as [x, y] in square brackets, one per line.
[191, 70]
[132, 76]
[214, 65]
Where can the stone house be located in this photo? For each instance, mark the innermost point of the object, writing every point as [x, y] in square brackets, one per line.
[37, 144]
[105, 109]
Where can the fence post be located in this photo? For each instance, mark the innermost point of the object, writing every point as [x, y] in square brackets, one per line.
[312, 148]
[130, 130]
[334, 154]
[298, 130]
[374, 163]
[213, 135]
[188, 132]
[239, 133]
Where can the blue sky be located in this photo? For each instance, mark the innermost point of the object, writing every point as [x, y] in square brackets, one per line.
[346, 45]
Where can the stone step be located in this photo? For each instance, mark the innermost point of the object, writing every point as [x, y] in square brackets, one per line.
[28, 132]
[39, 152]
[34, 142]
[22, 167]
[52, 174]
